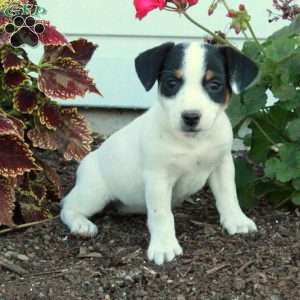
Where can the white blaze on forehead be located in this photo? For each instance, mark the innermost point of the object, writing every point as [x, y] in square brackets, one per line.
[194, 63]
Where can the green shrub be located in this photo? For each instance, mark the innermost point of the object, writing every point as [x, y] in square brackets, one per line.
[274, 140]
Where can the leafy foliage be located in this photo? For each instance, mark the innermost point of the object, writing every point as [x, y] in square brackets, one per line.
[274, 141]
[32, 124]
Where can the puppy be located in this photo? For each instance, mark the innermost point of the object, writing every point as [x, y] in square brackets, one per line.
[172, 150]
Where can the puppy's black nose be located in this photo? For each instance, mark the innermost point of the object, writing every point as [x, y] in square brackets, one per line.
[191, 117]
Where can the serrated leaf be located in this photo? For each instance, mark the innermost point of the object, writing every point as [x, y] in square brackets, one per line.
[65, 79]
[53, 178]
[25, 100]
[51, 36]
[287, 166]
[50, 116]
[15, 157]
[31, 212]
[38, 191]
[78, 135]
[73, 138]
[14, 79]
[293, 130]
[9, 127]
[43, 138]
[81, 51]
[20, 126]
[10, 61]
[7, 202]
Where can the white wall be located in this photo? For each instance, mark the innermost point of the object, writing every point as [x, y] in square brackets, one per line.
[112, 25]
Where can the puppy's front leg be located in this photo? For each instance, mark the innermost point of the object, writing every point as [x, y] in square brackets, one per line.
[163, 242]
[222, 183]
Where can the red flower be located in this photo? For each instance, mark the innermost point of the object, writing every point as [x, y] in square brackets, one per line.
[143, 7]
[192, 2]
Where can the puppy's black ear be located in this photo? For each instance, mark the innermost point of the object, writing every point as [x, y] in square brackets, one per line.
[241, 69]
[149, 63]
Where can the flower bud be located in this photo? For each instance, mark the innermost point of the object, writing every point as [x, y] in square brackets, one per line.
[231, 14]
[242, 7]
[210, 10]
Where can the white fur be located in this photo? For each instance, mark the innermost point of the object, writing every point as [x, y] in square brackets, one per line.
[151, 165]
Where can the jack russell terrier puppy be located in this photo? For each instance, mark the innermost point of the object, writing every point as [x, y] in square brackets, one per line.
[183, 141]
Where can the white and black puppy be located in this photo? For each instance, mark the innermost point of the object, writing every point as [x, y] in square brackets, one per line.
[172, 150]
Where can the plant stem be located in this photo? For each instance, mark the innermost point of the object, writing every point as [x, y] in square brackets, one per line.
[226, 5]
[254, 37]
[217, 37]
[263, 132]
[245, 35]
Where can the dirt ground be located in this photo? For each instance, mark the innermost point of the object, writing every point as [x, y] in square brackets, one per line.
[51, 264]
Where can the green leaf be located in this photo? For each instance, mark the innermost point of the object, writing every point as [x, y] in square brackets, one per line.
[272, 167]
[281, 48]
[245, 181]
[296, 198]
[260, 146]
[255, 99]
[287, 166]
[296, 184]
[236, 111]
[292, 29]
[293, 130]
[251, 49]
[284, 92]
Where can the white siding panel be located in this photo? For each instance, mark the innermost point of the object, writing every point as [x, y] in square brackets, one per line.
[116, 17]
[121, 37]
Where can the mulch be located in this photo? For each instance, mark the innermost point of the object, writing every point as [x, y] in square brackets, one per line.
[45, 262]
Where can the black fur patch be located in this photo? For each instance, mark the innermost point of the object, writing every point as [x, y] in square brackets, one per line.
[217, 86]
[169, 81]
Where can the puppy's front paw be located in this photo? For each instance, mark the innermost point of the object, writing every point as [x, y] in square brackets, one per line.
[83, 227]
[161, 251]
[238, 224]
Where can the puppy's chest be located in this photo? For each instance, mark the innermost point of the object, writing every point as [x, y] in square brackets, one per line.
[199, 160]
[192, 172]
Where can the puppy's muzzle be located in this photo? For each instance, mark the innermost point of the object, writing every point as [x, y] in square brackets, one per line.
[190, 119]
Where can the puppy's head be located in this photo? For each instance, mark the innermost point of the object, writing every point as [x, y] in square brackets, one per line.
[195, 81]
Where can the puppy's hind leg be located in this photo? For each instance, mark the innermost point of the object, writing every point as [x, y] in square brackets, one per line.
[88, 197]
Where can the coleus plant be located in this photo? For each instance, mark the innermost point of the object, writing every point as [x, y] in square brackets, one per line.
[32, 124]
[271, 169]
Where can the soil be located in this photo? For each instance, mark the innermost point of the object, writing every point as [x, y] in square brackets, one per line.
[45, 262]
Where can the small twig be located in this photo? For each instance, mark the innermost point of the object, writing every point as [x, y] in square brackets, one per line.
[9, 265]
[26, 225]
[217, 268]
[255, 38]
[245, 266]
[48, 273]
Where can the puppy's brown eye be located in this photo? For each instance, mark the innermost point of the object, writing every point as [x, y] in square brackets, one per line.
[214, 86]
[172, 83]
